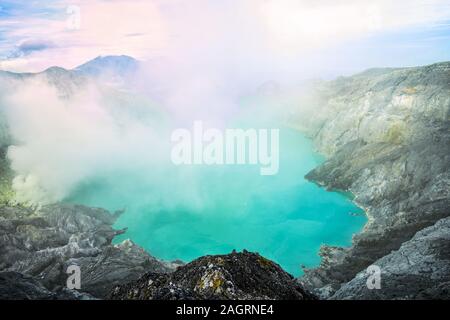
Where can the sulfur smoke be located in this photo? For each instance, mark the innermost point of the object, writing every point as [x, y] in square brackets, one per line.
[215, 55]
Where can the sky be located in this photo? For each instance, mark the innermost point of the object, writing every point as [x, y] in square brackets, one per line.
[321, 39]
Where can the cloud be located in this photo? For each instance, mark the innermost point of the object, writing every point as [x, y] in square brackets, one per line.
[61, 143]
[150, 29]
[294, 25]
[95, 136]
[34, 45]
[105, 28]
[30, 46]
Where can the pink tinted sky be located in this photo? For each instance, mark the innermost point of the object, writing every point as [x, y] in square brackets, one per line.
[37, 34]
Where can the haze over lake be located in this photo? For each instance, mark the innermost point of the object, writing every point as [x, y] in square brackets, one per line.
[283, 217]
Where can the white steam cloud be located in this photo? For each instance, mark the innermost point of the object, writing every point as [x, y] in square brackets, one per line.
[59, 142]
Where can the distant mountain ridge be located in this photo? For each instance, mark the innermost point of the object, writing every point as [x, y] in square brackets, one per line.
[115, 72]
[118, 65]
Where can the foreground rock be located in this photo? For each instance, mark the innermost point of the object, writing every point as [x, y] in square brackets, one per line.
[42, 244]
[386, 134]
[16, 286]
[420, 269]
[234, 276]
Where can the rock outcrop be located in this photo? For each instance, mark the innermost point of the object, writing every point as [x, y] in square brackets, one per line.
[238, 276]
[17, 286]
[44, 243]
[386, 134]
[420, 269]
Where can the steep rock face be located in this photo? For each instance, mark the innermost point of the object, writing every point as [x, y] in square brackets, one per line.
[234, 276]
[420, 269]
[380, 105]
[44, 243]
[386, 134]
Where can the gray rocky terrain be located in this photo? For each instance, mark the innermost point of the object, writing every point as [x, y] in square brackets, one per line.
[42, 244]
[386, 136]
[419, 269]
[17, 286]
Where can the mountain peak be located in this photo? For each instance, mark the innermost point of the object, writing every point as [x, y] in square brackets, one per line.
[55, 69]
[120, 65]
[112, 58]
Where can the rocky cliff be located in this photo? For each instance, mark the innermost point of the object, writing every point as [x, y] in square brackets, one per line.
[386, 136]
[42, 244]
[419, 269]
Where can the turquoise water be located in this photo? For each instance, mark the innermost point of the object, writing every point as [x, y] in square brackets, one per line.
[198, 210]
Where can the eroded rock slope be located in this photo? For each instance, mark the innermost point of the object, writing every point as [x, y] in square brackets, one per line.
[42, 244]
[386, 135]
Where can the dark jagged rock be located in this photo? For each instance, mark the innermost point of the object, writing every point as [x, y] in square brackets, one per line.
[243, 275]
[386, 134]
[420, 269]
[44, 243]
[17, 286]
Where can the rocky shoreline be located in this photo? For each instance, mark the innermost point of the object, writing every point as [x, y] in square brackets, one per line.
[386, 135]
